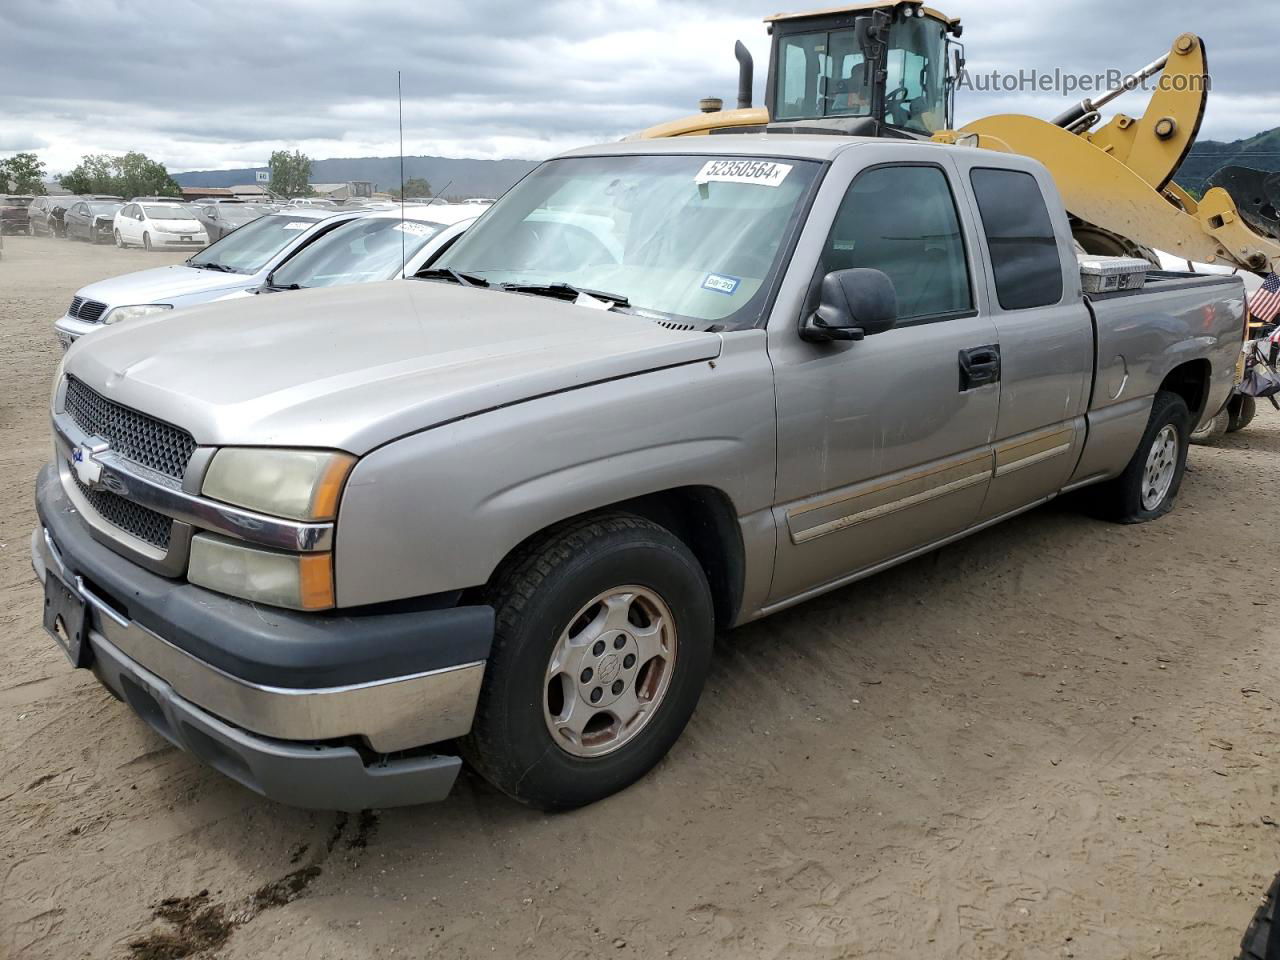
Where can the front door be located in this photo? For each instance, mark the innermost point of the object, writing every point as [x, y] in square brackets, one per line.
[884, 445]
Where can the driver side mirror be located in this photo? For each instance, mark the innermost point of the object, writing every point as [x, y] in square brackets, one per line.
[852, 304]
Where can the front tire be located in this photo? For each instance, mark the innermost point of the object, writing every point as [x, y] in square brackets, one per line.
[1149, 485]
[146, 242]
[119, 240]
[601, 647]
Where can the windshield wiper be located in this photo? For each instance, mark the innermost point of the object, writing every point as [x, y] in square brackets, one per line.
[565, 291]
[221, 268]
[448, 273]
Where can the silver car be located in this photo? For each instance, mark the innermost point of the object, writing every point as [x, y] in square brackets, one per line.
[238, 261]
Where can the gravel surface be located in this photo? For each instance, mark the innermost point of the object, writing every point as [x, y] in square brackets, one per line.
[1057, 738]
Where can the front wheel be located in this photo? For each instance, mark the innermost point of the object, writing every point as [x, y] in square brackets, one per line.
[1149, 485]
[601, 647]
[119, 240]
[146, 241]
[93, 234]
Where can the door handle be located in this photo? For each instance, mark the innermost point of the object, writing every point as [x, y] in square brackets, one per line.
[979, 366]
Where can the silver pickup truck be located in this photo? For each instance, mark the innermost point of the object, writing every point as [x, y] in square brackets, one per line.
[660, 389]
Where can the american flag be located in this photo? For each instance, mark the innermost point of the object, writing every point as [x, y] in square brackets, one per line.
[1265, 304]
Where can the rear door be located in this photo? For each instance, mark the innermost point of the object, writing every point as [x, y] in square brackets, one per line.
[1044, 329]
[884, 445]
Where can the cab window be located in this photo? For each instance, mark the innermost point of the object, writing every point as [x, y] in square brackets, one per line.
[902, 220]
[1024, 252]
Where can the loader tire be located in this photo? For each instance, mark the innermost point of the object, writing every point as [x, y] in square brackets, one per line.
[1242, 410]
[1258, 943]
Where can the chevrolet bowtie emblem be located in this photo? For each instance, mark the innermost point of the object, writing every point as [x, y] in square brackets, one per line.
[85, 463]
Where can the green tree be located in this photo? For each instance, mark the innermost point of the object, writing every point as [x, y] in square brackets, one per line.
[290, 174]
[413, 187]
[133, 175]
[137, 175]
[93, 174]
[22, 173]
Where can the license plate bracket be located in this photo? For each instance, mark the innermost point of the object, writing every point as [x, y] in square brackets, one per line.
[65, 618]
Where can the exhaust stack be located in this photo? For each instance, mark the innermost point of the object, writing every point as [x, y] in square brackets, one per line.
[745, 74]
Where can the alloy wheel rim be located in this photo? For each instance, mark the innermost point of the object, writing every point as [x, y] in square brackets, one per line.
[609, 671]
[1162, 461]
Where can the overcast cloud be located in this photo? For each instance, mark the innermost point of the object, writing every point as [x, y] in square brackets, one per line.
[200, 85]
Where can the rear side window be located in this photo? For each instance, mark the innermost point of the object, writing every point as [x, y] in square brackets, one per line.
[1024, 251]
[903, 221]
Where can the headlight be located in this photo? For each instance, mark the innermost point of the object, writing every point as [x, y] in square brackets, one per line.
[297, 581]
[297, 484]
[119, 314]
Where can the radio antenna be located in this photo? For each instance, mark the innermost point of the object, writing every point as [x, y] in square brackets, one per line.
[400, 108]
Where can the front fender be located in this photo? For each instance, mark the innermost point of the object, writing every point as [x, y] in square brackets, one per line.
[439, 510]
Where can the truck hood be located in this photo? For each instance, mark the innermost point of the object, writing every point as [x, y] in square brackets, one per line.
[159, 285]
[356, 366]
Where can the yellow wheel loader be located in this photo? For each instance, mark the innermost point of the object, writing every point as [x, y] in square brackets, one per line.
[891, 69]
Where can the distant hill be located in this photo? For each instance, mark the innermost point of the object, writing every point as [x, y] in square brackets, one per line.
[1261, 152]
[457, 177]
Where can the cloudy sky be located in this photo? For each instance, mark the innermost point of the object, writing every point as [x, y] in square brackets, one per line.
[201, 85]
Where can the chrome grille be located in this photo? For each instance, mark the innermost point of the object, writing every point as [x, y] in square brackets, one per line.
[134, 519]
[152, 443]
[90, 311]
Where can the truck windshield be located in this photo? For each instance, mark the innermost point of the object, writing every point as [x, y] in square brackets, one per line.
[248, 249]
[825, 74]
[357, 252]
[693, 237]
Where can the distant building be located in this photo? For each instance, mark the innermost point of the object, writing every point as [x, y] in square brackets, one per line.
[362, 189]
[245, 191]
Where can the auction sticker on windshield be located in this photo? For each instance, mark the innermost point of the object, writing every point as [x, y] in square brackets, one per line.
[416, 229]
[297, 225]
[719, 283]
[765, 173]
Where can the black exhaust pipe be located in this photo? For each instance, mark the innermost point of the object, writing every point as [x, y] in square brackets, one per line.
[745, 71]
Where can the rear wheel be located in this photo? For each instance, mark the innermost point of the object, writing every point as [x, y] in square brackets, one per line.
[146, 241]
[1213, 429]
[1149, 485]
[1242, 410]
[601, 646]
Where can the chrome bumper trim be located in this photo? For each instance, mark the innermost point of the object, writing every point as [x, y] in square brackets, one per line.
[165, 495]
[394, 714]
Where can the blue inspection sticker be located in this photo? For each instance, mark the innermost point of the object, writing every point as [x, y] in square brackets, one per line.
[719, 283]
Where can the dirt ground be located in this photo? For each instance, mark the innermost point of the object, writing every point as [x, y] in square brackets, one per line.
[1056, 739]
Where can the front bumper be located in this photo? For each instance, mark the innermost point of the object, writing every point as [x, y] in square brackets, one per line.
[173, 241]
[68, 329]
[312, 718]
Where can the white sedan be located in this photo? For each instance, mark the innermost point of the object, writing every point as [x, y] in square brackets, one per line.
[158, 226]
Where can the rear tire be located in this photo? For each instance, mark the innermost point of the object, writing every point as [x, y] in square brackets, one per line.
[146, 242]
[1242, 410]
[600, 620]
[1214, 430]
[1149, 485]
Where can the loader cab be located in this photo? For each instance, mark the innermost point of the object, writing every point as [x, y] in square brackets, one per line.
[874, 69]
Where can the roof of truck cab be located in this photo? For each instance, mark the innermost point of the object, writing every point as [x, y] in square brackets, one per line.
[798, 146]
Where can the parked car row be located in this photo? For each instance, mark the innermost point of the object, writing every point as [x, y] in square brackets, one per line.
[289, 249]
